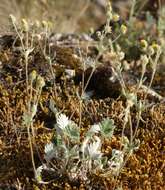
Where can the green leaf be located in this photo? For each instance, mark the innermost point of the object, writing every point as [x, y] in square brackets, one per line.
[72, 131]
[57, 140]
[107, 128]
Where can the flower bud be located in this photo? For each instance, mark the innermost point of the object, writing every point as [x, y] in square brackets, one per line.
[13, 18]
[123, 29]
[156, 47]
[33, 75]
[115, 17]
[40, 83]
[25, 25]
[143, 44]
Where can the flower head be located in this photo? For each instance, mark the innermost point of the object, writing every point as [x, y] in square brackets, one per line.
[40, 83]
[33, 75]
[143, 44]
[115, 17]
[123, 29]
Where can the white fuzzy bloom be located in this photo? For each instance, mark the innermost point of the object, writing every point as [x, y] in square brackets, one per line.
[62, 121]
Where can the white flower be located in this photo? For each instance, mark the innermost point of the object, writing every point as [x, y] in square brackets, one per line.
[49, 151]
[62, 121]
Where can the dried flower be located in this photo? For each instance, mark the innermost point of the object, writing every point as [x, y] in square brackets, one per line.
[108, 29]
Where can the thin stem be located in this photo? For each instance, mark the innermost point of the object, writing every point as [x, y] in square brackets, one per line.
[31, 149]
[132, 11]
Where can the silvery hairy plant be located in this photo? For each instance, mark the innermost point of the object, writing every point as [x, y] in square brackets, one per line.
[68, 155]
